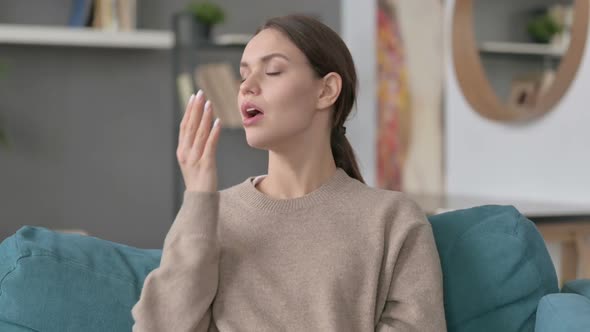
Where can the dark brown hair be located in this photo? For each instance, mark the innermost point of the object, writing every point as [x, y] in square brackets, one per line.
[326, 52]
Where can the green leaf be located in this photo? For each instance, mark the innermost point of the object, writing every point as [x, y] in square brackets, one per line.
[543, 28]
[206, 12]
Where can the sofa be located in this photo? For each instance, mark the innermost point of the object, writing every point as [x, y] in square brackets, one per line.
[498, 276]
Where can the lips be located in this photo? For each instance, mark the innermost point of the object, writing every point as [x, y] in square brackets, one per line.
[250, 110]
[251, 113]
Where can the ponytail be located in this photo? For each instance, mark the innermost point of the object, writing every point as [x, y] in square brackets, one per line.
[344, 154]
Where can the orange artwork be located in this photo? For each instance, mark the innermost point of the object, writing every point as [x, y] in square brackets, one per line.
[394, 118]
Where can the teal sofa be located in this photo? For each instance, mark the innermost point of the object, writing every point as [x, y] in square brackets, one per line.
[498, 276]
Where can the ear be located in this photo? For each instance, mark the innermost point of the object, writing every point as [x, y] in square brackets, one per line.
[330, 87]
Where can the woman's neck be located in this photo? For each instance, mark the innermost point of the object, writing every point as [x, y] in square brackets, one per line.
[298, 172]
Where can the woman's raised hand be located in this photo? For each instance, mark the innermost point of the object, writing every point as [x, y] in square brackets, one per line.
[197, 144]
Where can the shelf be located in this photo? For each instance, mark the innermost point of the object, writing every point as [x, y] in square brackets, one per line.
[223, 41]
[521, 48]
[208, 46]
[35, 35]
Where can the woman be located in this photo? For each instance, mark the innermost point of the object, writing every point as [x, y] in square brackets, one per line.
[307, 247]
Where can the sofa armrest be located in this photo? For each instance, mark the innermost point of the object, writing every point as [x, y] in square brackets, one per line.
[580, 286]
[563, 312]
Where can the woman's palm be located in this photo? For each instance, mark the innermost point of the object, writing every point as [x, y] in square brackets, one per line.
[197, 144]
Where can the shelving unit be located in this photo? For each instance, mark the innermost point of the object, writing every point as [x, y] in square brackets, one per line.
[236, 160]
[521, 48]
[36, 35]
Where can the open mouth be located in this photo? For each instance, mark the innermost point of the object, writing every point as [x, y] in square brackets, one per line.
[252, 112]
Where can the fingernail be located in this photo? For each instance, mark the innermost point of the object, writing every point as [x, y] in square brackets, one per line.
[190, 100]
[207, 105]
[216, 123]
[199, 94]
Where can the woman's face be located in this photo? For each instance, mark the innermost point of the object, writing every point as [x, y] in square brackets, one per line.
[279, 91]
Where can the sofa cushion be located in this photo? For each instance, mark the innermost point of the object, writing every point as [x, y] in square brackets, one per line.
[580, 286]
[496, 268]
[51, 281]
[564, 313]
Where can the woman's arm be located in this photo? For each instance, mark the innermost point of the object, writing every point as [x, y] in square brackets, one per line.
[415, 298]
[177, 295]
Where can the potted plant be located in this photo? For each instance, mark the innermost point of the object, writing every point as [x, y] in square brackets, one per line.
[544, 27]
[206, 14]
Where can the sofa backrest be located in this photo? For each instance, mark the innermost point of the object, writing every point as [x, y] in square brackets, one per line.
[495, 265]
[496, 268]
[51, 281]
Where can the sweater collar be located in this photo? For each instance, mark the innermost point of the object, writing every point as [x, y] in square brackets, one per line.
[253, 197]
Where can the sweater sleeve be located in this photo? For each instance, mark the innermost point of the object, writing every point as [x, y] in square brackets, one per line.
[415, 298]
[177, 296]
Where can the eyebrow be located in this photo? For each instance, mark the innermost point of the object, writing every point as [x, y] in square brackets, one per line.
[267, 58]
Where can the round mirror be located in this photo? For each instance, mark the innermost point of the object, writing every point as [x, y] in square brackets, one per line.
[515, 59]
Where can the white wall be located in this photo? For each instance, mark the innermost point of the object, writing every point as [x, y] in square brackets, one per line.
[547, 160]
[358, 31]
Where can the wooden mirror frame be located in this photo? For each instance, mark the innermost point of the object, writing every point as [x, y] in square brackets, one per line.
[472, 78]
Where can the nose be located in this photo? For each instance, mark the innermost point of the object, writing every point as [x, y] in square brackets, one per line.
[250, 86]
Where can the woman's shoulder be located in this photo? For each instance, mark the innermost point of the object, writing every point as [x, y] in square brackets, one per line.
[390, 203]
[232, 190]
[386, 196]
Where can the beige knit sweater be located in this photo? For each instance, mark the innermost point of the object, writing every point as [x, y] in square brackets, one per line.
[345, 257]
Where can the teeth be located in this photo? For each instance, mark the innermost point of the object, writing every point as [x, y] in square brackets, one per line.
[252, 111]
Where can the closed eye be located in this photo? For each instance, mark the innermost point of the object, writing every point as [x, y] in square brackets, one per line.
[270, 74]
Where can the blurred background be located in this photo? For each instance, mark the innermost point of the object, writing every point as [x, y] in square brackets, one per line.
[461, 103]
[90, 118]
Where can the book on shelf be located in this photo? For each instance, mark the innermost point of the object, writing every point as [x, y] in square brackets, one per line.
[81, 13]
[220, 85]
[127, 14]
[111, 15]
